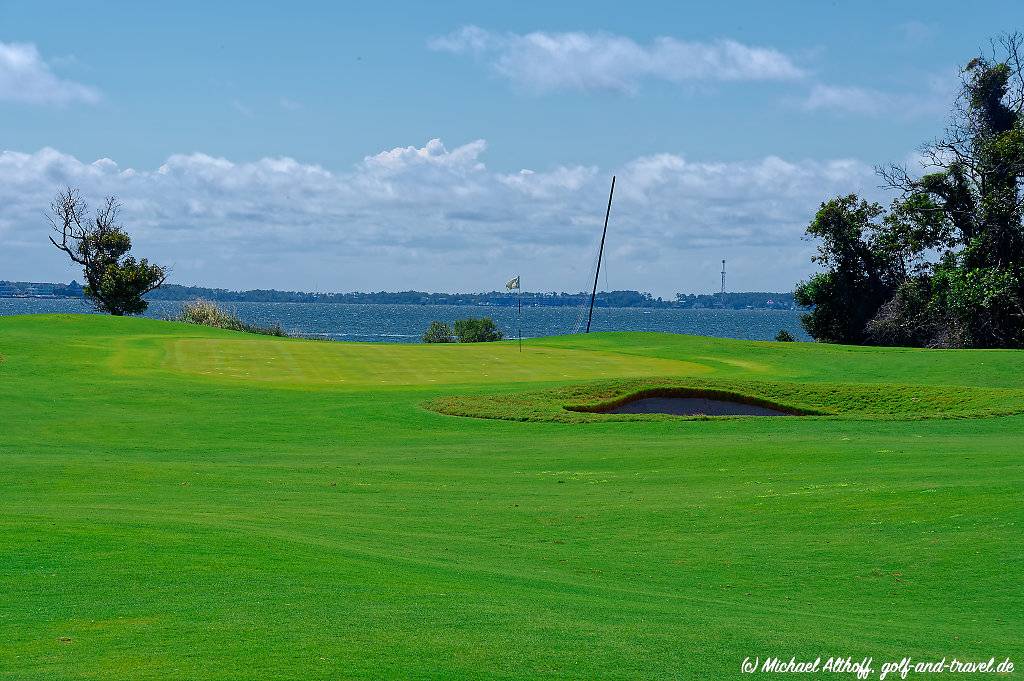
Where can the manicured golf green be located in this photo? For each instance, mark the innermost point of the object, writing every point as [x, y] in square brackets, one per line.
[178, 502]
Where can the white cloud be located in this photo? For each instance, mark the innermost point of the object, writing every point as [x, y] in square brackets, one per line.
[242, 108]
[603, 61]
[915, 33]
[26, 77]
[547, 184]
[432, 154]
[848, 99]
[435, 218]
[934, 98]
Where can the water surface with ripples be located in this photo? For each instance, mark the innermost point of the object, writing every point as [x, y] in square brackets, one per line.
[405, 323]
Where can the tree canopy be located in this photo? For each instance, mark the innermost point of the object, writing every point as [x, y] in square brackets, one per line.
[944, 265]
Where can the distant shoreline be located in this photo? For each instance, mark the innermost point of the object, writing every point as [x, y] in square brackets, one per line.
[731, 300]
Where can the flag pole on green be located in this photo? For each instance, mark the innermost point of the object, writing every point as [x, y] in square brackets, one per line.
[513, 285]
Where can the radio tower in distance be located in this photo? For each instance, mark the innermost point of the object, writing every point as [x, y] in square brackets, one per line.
[723, 283]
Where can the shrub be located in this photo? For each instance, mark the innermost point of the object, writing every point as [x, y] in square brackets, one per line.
[784, 336]
[477, 330]
[207, 313]
[439, 332]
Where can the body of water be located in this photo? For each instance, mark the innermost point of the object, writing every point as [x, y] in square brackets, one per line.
[405, 323]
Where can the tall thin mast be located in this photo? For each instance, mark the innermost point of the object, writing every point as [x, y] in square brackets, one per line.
[600, 254]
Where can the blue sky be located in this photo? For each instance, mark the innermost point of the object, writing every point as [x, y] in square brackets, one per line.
[288, 145]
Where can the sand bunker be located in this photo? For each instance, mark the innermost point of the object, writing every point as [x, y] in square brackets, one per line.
[651, 399]
[692, 406]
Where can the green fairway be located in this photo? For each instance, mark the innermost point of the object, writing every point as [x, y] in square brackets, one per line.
[181, 502]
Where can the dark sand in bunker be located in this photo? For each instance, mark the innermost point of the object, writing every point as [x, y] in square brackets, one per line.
[692, 406]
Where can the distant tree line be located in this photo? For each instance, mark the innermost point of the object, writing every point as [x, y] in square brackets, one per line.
[737, 301]
[733, 301]
[943, 266]
[784, 301]
[37, 289]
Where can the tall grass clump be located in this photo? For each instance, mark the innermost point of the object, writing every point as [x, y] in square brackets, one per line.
[208, 313]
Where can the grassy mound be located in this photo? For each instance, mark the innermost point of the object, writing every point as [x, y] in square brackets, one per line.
[185, 502]
[584, 403]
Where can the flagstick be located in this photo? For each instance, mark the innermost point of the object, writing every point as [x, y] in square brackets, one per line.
[600, 254]
[519, 297]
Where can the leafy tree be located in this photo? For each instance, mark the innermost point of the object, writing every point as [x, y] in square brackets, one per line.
[859, 276]
[908, 318]
[968, 209]
[944, 266]
[784, 336]
[115, 280]
[477, 330]
[438, 332]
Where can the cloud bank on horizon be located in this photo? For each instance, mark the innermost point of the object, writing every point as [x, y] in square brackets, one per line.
[434, 218]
